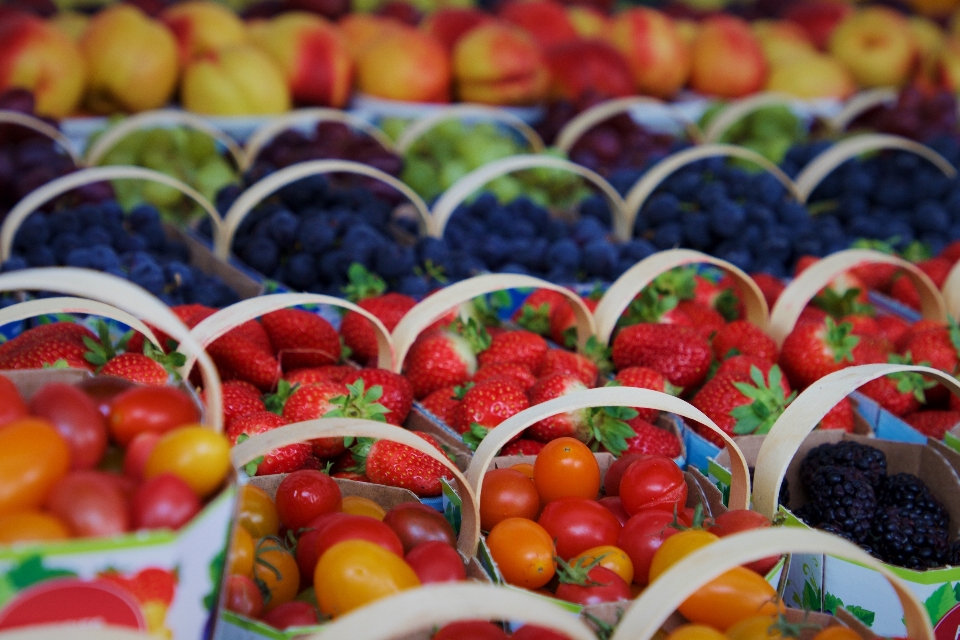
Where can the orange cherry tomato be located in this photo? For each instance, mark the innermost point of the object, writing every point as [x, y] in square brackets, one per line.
[695, 632]
[507, 493]
[256, 512]
[523, 551]
[566, 467]
[276, 569]
[756, 628]
[240, 555]
[33, 457]
[31, 526]
[353, 573]
[611, 557]
[198, 456]
[357, 506]
[525, 468]
[837, 632]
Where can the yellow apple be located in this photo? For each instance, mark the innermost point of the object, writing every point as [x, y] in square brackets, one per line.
[237, 80]
[813, 76]
[876, 45]
[203, 26]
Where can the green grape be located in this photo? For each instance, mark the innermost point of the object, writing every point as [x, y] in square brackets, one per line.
[213, 175]
[199, 147]
[709, 114]
[118, 155]
[776, 148]
[128, 193]
[159, 160]
[450, 129]
[160, 195]
[505, 188]
[420, 175]
[539, 197]
[477, 152]
[157, 140]
[394, 127]
[451, 172]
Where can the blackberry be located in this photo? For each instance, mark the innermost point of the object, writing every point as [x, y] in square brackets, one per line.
[784, 495]
[843, 497]
[909, 492]
[953, 554]
[829, 528]
[846, 453]
[909, 539]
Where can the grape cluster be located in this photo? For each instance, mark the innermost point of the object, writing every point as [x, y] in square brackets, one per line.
[917, 114]
[770, 131]
[133, 246]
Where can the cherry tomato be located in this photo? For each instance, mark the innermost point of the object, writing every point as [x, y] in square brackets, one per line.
[90, 504]
[103, 389]
[695, 632]
[641, 537]
[75, 416]
[836, 632]
[291, 614]
[276, 570]
[307, 547]
[157, 409]
[756, 628]
[564, 468]
[244, 596]
[305, 494]
[612, 558]
[164, 502]
[533, 632]
[349, 527]
[739, 520]
[357, 506]
[137, 453]
[654, 482]
[33, 458]
[525, 468]
[240, 554]
[416, 523]
[12, 406]
[356, 572]
[507, 493]
[470, 630]
[256, 512]
[614, 506]
[31, 526]
[676, 546]
[611, 481]
[523, 550]
[601, 585]
[576, 524]
[199, 456]
[436, 561]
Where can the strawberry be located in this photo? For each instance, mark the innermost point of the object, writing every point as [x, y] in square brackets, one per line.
[563, 324]
[744, 364]
[940, 347]
[770, 286]
[704, 319]
[933, 424]
[846, 286]
[651, 440]
[560, 361]
[397, 391]
[239, 359]
[743, 404]
[312, 401]
[811, 314]
[903, 290]
[534, 314]
[283, 460]
[253, 332]
[951, 252]
[877, 277]
[862, 325]
[302, 339]
[138, 368]
[313, 375]
[519, 347]
[899, 393]
[443, 404]
[190, 314]
[892, 328]
[743, 338]
[397, 465]
[510, 371]
[721, 296]
[239, 399]
[444, 358]
[572, 423]
[839, 417]
[813, 350]
[484, 406]
[152, 366]
[680, 353]
[521, 447]
[55, 344]
[645, 378]
[954, 403]
[358, 333]
[870, 351]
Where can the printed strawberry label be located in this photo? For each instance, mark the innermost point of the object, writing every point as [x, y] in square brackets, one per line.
[71, 600]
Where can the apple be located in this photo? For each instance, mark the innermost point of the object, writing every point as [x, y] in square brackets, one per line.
[688, 30]
[877, 46]
[782, 41]
[588, 69]
[237, 80]
[727, 59]
[498, 63]
[588, 22]
[545, 20]
[406, 65]
[361, 30]
[449, 24]
[818, 18]
[810, 77]
[652, 46]
[203, 26]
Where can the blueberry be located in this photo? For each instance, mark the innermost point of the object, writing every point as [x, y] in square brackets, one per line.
[262, 254]
[564, 253]
[623, 179]
[148, 275]
[393, 261]
[775, 243]
[856, 181]
[513, 267]
[41, 256]
[683, 183]
[727, 218]
[763, 188]
[931, 216]
[179, 275]
[934, 241]
[34, 230]
[63, 243]
[414, 286]
[102, 257]
[226, 197]
[484, 204]
[494, 250]
[711, 193]
[636, 250]
[556, 229]
[334, 266]
[561, 275]
[893, 192]
[97, 234]
[696, 230]
[89, 214]
[662, 207]
[13, 263]
[282, 227]
[533, 256]
[596, 207]
[738, 256]
[759, 214]
[587, 229]
[301, 270]
[144, 215]
[65, 221]
[523, 229]
[668, 236]
[600, 259]
[900, 229]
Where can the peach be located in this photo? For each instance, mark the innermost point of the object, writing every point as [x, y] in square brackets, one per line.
[876, 45]
[236, 80]
[203, 26]
[131, 61]
[499, 63]
[812, 76]
[362, 30]
[658, 57]
[36, 55]
[313, 55]
[588, 22]
[406, 65]
[545, 20]
[727, 59]
[588, 69]
[782, 41]
[818, 18]
[449, 24]
[688, 30]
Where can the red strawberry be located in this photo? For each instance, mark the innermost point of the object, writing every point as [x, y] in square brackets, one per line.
[839, 417]
[680, 353]
[484, 406]
[721, 296]
[651, 440]
[877, 277]
[239, 399]
[870, 351]
[315, 401]
[444, 359]
[892, 328]
[951, 252]
[903, 290]
[397, 391]
[283, 460]
[746, 339]
[743, 404]
[939, 347]
[302, 339]
[811, 314]
[397, 465]
[845, 286]
[238, 359]
[313, 375]
[518, 347]
[933, 424]
[572, 423]
[863, 325]
[443, 404]
[508, 370]
[358, 332]
[138, 368]
[770, 286]
[644, 378]
[534, 314]
[899, 393]
[579, 365]
[521, 447]
[253, 332]
[704, 319]
[47, 352]
[954, 403]
[813, 350]
[190, 314]
[563, 322]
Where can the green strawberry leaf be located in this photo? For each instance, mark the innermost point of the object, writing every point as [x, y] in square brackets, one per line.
[940, 602]
[362, 283]
[475, 435]
[535, 319]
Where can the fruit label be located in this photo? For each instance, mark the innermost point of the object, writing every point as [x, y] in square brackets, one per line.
[63, 600]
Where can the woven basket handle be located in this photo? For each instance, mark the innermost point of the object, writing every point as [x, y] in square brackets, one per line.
[419, 127]
[589, 118]
[860, 104]
[731, 113]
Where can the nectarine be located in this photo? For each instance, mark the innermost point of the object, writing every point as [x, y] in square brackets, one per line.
[406, 65]
[727, 59]
[499, 63]
[652, 46]
[237, 80]
[203, 26]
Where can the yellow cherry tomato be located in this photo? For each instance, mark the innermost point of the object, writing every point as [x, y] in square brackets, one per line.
[353, 573]
[33, 457]
[256, 512]
[676, 547]
[756, 628]
[240, 555]
[198, 456]
[31, 526]
[357, 506]
[276, 569]
[612, 558]
[695, 632]
[525, 468]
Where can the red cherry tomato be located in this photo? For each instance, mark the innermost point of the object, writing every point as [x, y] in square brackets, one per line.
[90, 503]
[137, 453]
[739, 520]
[351, 527]
[416, 523]
[103, 389]
[641, 537]
[611, 481]
[307, 550]
[12, 406]
[304, 495]
[164, 502]
[244, 596]
[507, 493]
[653, 483]
[291, 614]
[75, 416]
[578, 524]
[609, 587]
[614, 506]
[156, 409]
[470, 630]
[533, 632]
[436, 561]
